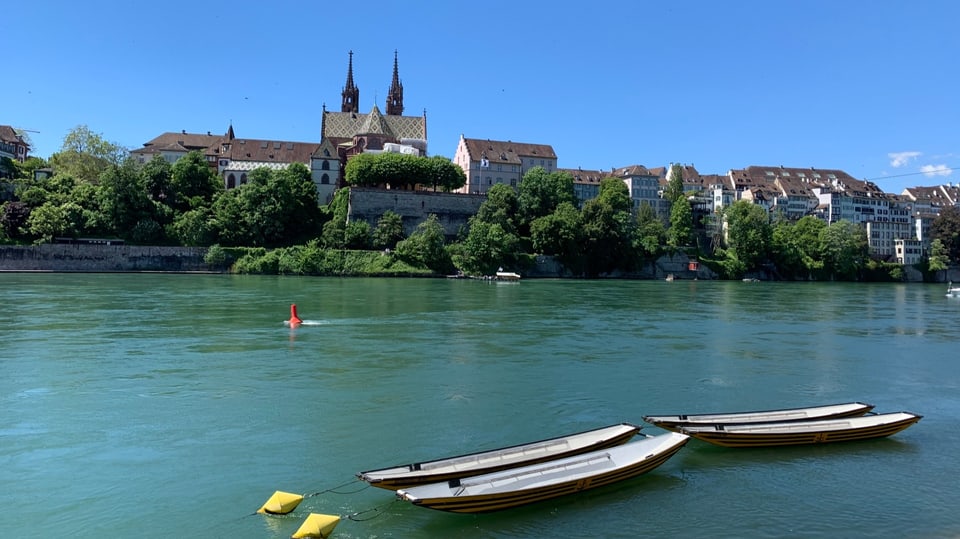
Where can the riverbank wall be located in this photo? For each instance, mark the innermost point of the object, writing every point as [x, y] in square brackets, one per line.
[55, 257]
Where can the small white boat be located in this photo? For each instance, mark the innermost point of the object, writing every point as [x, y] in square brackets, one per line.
[830, 411]
[537, 482]
[507, 276]
[446, 469]
[804, 432]
[953, 291]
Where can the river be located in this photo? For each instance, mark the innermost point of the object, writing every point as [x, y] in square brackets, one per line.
[155, 405]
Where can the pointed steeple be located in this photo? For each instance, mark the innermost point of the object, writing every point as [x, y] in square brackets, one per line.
[395, 94]
[351, 94]
[229, 134]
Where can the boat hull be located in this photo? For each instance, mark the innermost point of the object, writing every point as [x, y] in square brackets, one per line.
[461, 466]
[831, 411]
[496, 500]
[804, 432]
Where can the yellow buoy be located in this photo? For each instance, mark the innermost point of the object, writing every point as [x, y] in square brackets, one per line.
[281, 503]
[317, 525]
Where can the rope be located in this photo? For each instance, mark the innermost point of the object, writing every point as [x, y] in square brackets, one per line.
[353, 516]
[334, 489]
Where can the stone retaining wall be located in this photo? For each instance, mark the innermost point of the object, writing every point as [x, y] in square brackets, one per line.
[101, 258]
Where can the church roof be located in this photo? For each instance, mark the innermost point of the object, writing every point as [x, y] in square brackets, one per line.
[346, 125]
[269, 151]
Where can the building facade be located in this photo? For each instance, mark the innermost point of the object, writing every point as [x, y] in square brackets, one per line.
[488, 162]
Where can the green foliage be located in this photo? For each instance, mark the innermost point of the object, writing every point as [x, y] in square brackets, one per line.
[946, 228]
[650, 233]
[608, 230]
[218, 257]
[748, 233]
[14, 217]
[844, 250]
[403, 171]
[85, 155]
[674, 190]
[310, 259]
[389, 231]
[192, 183]
[559, 234]
[425, 247]
[123, 199]
[939, 256]
[47, 222]
[500, 207]
[487, 247]
[680, 233]
[540, 193]
[358, 235]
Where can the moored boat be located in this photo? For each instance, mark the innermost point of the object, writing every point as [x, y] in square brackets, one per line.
[953, 291]
[450, 468]
[830, 411]
[529, 484]
[803, 432]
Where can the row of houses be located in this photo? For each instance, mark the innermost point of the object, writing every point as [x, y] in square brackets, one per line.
[897, 224]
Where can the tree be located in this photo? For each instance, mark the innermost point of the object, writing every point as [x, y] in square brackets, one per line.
[487, 247]
[540, 193]
[946, 228]
[501, 207]
[608, 229]
[425, 247]
[14, 216]
[844, 249]
[939, 256]
[47, 222]
[357, 235]
[674, 190]
[192, 182]
[123, 198]
[389, 230]
[403, 171]
[795, 247]
[559, 234]
[748, 233]
[650, 234]
[681, 223]
[85, 155]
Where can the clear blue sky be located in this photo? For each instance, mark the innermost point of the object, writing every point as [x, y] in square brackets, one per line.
[869, 87]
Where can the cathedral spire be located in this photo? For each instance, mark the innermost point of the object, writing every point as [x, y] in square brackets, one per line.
[395, 94]
[351, 94]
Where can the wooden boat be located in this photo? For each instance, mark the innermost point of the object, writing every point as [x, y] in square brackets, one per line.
[676, 422]
[446, 469]
[528, 484]
[507, 276]
[804, 432]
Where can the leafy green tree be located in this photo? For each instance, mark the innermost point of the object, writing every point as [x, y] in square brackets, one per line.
[487, 247]
[541, 193]
[358, 235]
[844, 249]
[85, 155]
[442, 174]
[939, 256]
[946, 228]
[158, 180]
[608, 229]
[674, 190]
[748, 233]
[651, 234]
[14, 216]
[425, 247]
[559, 234]
[681, 223]
[192, 182]
[389, 231]
[501, 207]
[47, 222]
[195, 228]
[795, 247]
[123, 199]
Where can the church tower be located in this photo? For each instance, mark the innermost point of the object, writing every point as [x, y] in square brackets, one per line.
[395, 94]
[351, 94]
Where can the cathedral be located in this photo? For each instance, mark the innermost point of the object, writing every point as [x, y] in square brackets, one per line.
[350, 132]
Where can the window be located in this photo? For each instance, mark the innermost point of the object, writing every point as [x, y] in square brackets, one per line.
[243, 178]
[231, 181]
[325, 165]
[325, 179]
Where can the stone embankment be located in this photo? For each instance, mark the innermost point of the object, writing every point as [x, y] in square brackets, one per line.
[57, 257]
